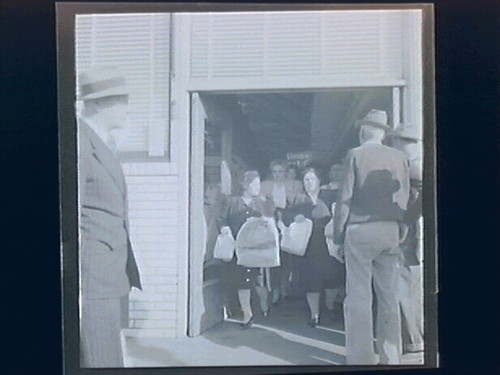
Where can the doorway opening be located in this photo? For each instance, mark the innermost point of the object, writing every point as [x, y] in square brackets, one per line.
[237, 131]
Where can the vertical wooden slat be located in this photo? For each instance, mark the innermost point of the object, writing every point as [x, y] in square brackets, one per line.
[396, 106]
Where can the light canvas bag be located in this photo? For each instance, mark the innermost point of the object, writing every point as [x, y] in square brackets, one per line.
[296, 237]
[257, 243]
[224, 247]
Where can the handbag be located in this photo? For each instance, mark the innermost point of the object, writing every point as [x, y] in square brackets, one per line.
[296, 237]
[224, 247]
[257, 243]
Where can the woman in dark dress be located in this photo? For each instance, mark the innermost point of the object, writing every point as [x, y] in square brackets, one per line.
[235, 211]
[316, 268]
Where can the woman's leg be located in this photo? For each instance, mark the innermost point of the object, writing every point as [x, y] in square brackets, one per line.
[330, 297]
[262, 288]
[333, 302]
[275, 295]
[285, 281]
[263, 294]
[244, 298]
[313, 302]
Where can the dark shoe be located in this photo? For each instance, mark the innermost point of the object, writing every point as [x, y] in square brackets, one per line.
[266, 313]
[313, 322]
[413, 348]
[247, 325]
[335, 315]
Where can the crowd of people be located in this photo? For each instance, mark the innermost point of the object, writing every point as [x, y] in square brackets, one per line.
[363, 244]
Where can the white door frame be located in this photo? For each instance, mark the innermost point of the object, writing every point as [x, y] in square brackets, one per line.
[196, 226]
[182, 131]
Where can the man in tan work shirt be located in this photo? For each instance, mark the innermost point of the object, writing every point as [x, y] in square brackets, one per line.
[372, 200]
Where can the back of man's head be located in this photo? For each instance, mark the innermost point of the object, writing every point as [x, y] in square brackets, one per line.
[371, 133]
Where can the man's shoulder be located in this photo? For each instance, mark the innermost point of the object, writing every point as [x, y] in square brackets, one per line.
[395, 154]
[377, 149]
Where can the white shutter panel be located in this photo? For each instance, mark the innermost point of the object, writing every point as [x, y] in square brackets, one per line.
[266, 45]
[351, 43]
[293, 44]
[140, 45]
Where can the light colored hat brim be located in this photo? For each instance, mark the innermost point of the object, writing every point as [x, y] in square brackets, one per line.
[379, 125]
[114, 91]
[402, 135]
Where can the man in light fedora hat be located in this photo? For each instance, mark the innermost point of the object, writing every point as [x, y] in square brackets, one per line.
[371, 203]
[408, 139]
[107, 265]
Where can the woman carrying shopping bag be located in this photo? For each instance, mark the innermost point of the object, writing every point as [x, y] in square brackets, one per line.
[244, 272]
[314, 269]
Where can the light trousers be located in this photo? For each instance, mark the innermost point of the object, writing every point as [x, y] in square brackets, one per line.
[371, 257]
[411, 303]
[101, 323]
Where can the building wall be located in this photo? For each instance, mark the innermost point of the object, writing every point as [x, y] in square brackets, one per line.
[153, 206]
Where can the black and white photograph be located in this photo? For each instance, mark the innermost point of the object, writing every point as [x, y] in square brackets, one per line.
[248, 186]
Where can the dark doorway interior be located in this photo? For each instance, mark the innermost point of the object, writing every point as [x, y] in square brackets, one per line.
[267, 126]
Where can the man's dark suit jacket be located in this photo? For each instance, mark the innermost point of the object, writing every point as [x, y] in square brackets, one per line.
[375, 187]
[107, 265]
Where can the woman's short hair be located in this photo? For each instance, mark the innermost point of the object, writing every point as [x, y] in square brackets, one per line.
[281, 162]
[313, 169]
[248, 177]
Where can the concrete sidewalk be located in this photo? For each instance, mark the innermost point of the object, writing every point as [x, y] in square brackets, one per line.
[283, 338]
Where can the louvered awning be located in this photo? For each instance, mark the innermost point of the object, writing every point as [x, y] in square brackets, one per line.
[140, 45]
[290, 49]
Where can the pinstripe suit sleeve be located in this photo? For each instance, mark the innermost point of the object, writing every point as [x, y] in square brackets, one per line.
[83, 165]
[132, 269]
